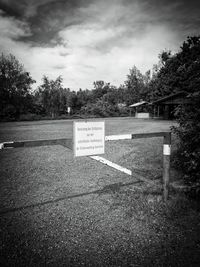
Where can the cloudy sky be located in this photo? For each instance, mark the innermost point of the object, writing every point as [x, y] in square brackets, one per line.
[88, 40]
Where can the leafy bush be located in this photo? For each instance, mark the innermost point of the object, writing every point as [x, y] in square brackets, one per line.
[8, 113]
[100, 109]
[188, 153]
[29, 117]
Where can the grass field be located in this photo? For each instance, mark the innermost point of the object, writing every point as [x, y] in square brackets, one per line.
[58, 210]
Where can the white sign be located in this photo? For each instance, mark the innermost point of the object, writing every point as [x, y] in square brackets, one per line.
[166, 149]
[68, 109]
[89, 138]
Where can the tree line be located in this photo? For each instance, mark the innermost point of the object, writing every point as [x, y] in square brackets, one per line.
[173, 73]
[52, 100]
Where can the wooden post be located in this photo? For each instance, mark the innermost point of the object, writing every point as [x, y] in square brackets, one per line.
[166, 164]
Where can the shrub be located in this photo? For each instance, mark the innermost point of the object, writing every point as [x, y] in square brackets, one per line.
[100, 109]
[29, 117]
[8, 113]
[188, 154]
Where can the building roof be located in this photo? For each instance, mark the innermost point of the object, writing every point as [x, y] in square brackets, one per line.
[138, 104]
[172, 96]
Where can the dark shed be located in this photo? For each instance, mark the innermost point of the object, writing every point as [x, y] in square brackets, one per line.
[165, 106]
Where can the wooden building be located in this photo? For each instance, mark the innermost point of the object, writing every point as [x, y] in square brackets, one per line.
[165, 106]
[140, 110]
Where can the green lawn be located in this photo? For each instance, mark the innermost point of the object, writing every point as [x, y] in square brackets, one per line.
[58, 210]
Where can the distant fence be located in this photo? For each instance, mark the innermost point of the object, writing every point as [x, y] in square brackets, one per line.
[67, 142]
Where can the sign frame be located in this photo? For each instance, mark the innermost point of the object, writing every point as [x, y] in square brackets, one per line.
[88, 124]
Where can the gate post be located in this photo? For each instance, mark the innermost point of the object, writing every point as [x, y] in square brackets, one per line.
[166, 164]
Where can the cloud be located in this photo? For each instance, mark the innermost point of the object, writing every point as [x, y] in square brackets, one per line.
[90, 40]
[37, 60]
[12, 28]
[112, 50]
[45, 17]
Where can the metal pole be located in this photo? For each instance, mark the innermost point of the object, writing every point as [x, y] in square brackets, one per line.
[154, 111]
[166, 164]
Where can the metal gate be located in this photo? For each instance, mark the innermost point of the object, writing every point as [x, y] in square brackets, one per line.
[67, 142]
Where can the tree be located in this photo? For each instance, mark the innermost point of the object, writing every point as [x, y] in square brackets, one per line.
[135, 86]
[100, 89]
[100, 108]
[83, 97]
[164, 56]
[15, 86]
[178, 72]
[111, 96]
[51, 96]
